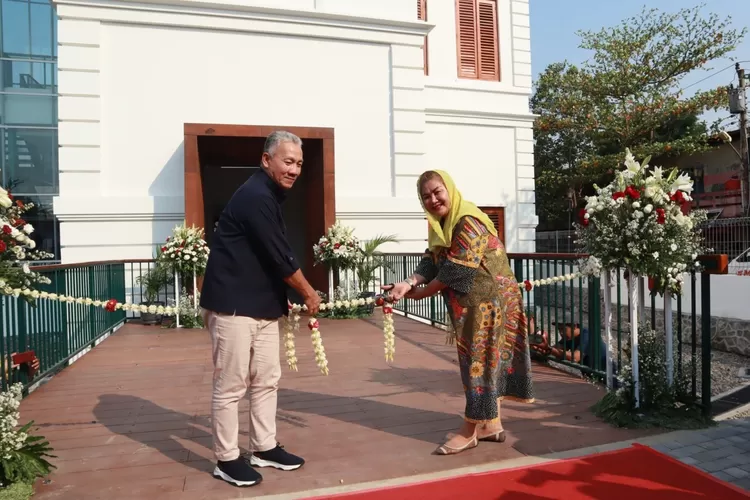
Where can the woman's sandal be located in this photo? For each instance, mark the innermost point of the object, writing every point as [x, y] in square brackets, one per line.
[497, 437]
[447, 450]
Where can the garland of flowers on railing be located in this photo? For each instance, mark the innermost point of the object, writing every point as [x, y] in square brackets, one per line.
[291, 322]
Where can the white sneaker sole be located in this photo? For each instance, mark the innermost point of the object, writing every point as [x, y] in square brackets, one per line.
[259, 462]
[218, 474]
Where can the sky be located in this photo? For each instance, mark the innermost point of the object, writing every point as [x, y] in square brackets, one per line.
[554, 24]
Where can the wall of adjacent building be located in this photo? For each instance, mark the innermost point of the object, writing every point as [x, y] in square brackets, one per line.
[129, 79]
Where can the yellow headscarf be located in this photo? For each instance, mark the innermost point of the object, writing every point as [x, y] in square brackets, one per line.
[441, 235]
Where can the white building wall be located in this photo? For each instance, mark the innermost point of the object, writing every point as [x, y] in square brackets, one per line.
[130, 78]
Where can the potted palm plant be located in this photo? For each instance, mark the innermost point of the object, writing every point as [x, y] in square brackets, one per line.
[367, 265]
[152, 283]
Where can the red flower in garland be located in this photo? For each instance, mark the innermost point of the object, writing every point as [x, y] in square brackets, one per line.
[379, 301]
[3, 246]
[387, 310]
[661, 217]
[632, 192]
[111, 305]
[582, 216]
[7, 229]
[312, 325]
[528, 285]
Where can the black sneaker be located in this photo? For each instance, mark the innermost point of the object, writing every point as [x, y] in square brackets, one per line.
[237, 472]
[278, 458]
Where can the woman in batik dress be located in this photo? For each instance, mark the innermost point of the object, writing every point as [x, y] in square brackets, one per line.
[467, 263]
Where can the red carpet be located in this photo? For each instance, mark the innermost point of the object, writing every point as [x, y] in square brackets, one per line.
[631, 473]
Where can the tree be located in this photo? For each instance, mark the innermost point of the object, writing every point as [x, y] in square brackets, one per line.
[626, 95]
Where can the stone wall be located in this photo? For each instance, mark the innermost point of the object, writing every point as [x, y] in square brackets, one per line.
[727, 334]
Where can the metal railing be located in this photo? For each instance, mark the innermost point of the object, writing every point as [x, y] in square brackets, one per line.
[58, 332]
[580, 301]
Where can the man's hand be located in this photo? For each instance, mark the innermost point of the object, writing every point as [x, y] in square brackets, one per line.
[313, 304]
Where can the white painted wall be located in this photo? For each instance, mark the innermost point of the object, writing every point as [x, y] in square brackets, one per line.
[129, 79]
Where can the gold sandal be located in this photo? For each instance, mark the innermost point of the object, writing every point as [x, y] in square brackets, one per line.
[497, 437]
[447, 450]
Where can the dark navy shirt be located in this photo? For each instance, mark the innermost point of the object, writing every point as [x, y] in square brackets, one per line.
[250, 254]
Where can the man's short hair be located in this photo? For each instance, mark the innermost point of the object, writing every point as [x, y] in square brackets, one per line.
[278, 137]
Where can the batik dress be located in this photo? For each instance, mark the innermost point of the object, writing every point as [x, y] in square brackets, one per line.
[486, 311]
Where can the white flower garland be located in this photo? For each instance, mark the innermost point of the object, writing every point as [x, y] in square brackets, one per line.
[291, 322]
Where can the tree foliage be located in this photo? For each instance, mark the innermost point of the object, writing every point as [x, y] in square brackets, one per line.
[626, 95]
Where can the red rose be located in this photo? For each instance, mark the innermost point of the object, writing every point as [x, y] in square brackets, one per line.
[387, 310]
[3, 247]
[585, 222]
[632, 192]
[337, 245]
[510, 370]
[528, 285]
[111, 305]
[660, 216]
[19, 222]
[19, 204]
[7, 229]
[163, 249]
[312, 325]
[616, 196]
[379, 301]
[678, 197]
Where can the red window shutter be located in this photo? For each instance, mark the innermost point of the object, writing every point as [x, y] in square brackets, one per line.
[477, 40]
[466, 38]
[488, 43]
[497, 216]
[422, 16]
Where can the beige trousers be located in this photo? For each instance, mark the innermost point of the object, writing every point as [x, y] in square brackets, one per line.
[246, 356]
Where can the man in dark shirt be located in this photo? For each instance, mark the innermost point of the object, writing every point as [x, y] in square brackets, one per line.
[244, 294]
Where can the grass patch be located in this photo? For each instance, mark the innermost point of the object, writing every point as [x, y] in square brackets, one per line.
[16, 491]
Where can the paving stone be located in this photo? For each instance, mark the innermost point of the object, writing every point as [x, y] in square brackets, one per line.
[737, 473]
[688, 460]
[717, 465]
[743, 483]
[737, 439]
[687, 451]
[692, 439]
[723, 452]
[724, 476]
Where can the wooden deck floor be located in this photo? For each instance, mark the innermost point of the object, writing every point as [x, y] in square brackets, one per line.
[131, 418]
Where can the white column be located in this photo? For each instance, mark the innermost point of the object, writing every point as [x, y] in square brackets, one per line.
[668, 332]
[177, 297]
[608, 324]
[195, 291]
[633, 282]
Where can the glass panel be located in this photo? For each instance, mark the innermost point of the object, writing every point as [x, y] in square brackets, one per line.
[15, 28]
[31, 110]
[41, 30]
[46, 227]
[30, 161]
[28, 76]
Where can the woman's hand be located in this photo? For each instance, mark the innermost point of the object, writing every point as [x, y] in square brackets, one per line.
[398, 290]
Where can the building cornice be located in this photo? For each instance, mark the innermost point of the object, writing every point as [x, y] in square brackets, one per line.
[310, 18]
[463, 116]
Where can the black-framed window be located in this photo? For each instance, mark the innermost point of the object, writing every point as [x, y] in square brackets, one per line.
[28, 112]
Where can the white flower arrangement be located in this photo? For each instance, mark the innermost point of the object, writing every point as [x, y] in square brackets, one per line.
[17, 249]
[11, 439]
[642, 221]
[338, 247]
[185, 252]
